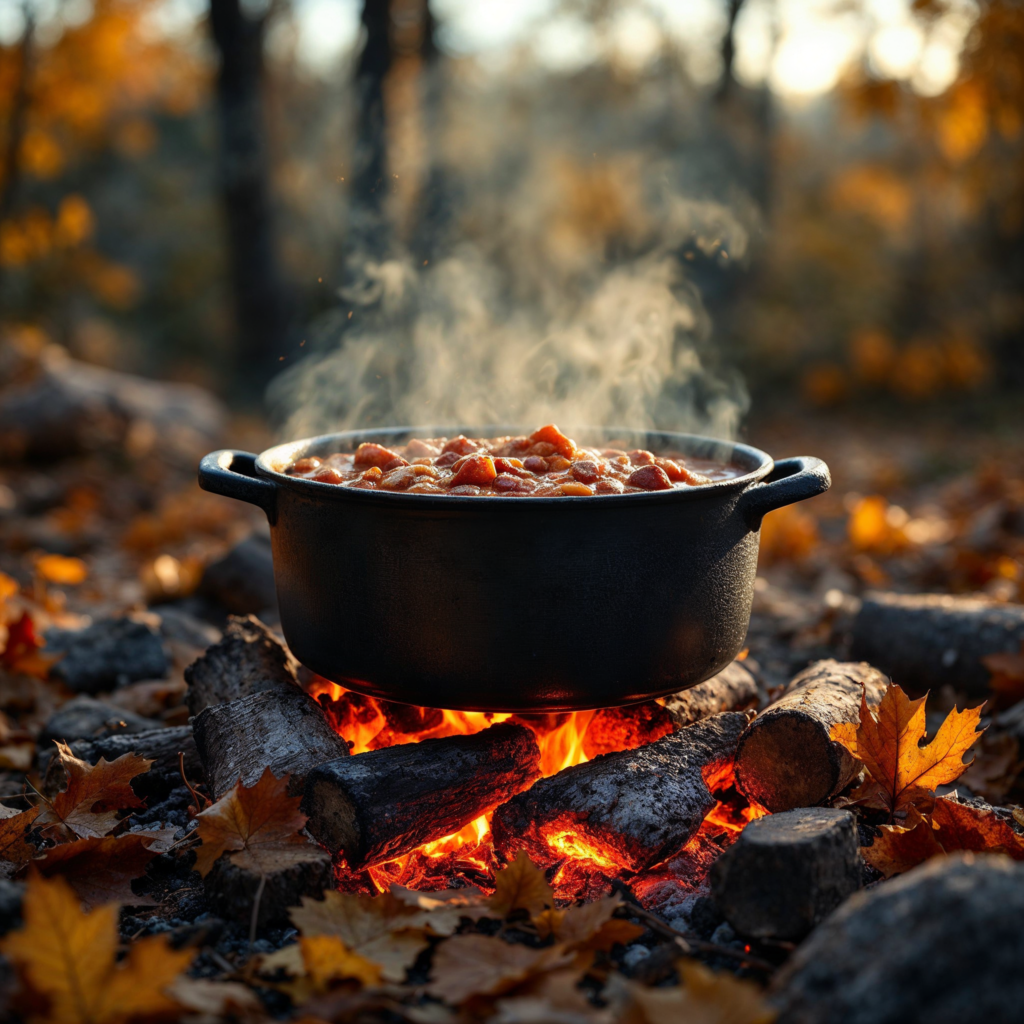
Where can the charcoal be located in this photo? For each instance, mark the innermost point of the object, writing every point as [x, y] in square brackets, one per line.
[243, 580]
[87, 718]
[787, 871]
[109, 653]
[925, 641]
[941, 944]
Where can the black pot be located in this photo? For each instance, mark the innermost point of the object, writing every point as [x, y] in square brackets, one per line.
[514, 604]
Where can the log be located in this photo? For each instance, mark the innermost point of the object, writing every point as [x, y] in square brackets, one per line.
[787, 872]
[612, 729]
[376, 806]
[109, 653]
[284, 730]
[942, 943]
[929, 640]
[786, 757]
[248, 659]
[627, 810]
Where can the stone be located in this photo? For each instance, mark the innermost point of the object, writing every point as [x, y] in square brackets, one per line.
[787, 872]
[242, 581]
[84, 717]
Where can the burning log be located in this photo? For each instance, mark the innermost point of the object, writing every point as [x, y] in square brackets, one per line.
[786, 758]
[941, 943]
[612, 729]
[787, 871]
[626, 810]
[376, 806]
[249, 659]
[929, 640]
[283, 729]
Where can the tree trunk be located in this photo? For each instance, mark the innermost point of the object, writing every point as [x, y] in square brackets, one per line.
[260, 296]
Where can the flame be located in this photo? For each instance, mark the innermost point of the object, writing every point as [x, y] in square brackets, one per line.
[467, 856]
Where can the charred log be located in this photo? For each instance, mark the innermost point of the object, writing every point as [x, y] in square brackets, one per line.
[376, 806]
[787, 758]
[635, 807]
[733, 689]
[249, 659]
[283, 730]
[928, 640]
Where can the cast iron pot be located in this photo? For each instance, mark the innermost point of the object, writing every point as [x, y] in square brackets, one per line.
[514, 604]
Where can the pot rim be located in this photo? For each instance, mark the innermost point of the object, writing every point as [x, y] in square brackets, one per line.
[289, 451]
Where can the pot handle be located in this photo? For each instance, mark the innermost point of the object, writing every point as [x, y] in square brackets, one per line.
[790, 480]
[233, 474]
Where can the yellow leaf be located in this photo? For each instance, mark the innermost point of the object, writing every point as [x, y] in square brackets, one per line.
[382, 928]
[327, 959]
[259, 826]
[69, 957]
[521, 886]
[66, 572]
[479, 965]
[94, 796]
[889, 746]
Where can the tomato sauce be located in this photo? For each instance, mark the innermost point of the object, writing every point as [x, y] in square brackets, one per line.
[545, 464]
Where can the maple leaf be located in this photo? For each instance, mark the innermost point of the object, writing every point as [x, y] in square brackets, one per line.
[69, 957]
[382, 929]
[14, 826]
[259, 826]
[704, 997]
[889, 746]
[442, 912]
[318, 961]
[521, 886]
[101, 870]
[21, 650]
[479, 965]
[588, 927]
[94, 796]
[899, 848]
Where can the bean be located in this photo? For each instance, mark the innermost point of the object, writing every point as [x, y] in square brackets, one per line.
[558, 463]
[461, 445]
[513, 466]
[506, 483]
[368, 454]
[306, 465]
[609, 486]
[575, 490]
[650, 478]
[446, 460]
[641, 457]
[329, 476]
[585, 471]
[394, 463]
[536, 464]
[404, 477]
[464, 489]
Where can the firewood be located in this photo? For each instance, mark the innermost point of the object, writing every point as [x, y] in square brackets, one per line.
[929, 640]
[634, 808]
[283, 729]
[375, 806]
[786, 757]
[733, 689]
[941, 943]
[787, 871]
[249, 659]
[611, 729]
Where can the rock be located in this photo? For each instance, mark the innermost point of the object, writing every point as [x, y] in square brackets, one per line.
[87, 718]
[177, 626]
[11, 895]
[243, 580]
[109, 653]
[941, 944]
[787, 871]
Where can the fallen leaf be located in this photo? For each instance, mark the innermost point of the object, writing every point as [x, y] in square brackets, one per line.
[479, 965]
[1006, 670]
[383, 929]
[521, 886]
[551, 998]
[260, 827]
[101, 870]
[14, 845]
[901, 847]
[64, 571]
[442, 912]
[17, 747]
[214, 998]
[995, 767]
[588, 927]
[21, 654]
[70, 957]
[704, 997]
[889, 746]
[94, 796]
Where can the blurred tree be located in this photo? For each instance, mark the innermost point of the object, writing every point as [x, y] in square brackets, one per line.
[261, 297]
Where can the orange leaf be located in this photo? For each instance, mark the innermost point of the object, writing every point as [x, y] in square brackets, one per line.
[68, 572]
[70, 958]
[14, 847]
[900, 848]
[94, 795]
[889, 746]
[521, 886]
[101, 870]
[259, 826]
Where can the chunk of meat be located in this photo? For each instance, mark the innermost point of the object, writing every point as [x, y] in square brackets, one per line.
[473, 469]
[369, 454]
[641, 457]
[585, 471]
[402, 478]
[461, 445]
[650, 478]
[306, 465]
[329, 476]
[550, 434]
[417, 449]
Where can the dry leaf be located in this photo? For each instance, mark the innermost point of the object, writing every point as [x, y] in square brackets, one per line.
[102, 870]
[588, 927]
[551, 998]
[94, 796]
[479, 965]
[14, 828]
[214, 998]
[521, 886]
[64, 571]
[259, 826]
[889, 747]
[902, 847]
[995, 767]
[1007, 675]
[704, 997]
[383, 929]
[69, 957]
[17, 747]
[443, 911]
